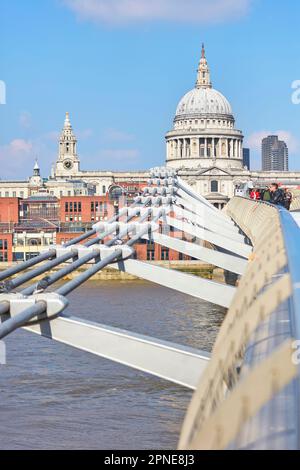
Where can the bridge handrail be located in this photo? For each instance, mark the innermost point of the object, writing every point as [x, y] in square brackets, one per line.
[251, 372]
[295, 206]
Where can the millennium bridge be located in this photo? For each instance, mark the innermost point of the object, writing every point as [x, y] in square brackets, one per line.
[246, 392]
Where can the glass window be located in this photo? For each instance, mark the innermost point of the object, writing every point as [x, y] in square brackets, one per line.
[79, 206]
[18, 256]
[214, 186]
[66, 207]
[150, 255]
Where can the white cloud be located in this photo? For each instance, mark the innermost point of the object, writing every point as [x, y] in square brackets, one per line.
[183, 11]
[255, 139]
[15, 157]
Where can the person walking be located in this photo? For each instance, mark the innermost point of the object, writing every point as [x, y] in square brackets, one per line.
[288, 197]
[255, 195]
[277, 195]
[267, 195]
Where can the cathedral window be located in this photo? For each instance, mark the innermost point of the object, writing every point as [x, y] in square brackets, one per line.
[214, 186]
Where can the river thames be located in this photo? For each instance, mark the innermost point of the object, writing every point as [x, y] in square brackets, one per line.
[55, 397]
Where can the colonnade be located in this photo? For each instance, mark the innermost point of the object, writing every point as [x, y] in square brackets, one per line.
[206, 147]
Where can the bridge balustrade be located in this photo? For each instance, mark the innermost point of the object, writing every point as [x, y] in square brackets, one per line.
[248, 396]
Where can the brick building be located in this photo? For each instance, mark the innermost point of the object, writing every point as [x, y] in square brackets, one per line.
[9, 210]
[29, 226]
[85, 209]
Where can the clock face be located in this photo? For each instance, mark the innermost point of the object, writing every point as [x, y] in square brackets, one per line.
[68, 165]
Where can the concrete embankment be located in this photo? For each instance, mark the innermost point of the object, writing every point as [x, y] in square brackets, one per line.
[191, 267]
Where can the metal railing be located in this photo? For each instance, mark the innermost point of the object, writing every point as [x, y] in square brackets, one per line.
[295, 206]
[248, 396]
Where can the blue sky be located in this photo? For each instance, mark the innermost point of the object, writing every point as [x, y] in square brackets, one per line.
[120, 67]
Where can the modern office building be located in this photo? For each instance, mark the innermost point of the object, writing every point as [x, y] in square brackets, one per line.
[275, 154]
[246, 158]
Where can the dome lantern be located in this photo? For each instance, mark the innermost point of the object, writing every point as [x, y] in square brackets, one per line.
[203, 77]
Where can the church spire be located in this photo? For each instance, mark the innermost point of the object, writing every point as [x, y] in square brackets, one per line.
[68, 141]
[36, 168]
[67, 121]
[203, 77]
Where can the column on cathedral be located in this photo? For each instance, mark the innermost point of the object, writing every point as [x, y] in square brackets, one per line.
[184, 148]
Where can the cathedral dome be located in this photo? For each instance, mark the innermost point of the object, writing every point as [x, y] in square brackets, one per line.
[204, 133]
[203, 102]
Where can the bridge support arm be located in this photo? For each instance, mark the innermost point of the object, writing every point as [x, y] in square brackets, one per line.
[214, 292]
[175, 363]
[222, 260]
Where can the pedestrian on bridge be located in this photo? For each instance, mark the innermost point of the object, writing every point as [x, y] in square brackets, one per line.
[277, 195]
[288, 197]
[266, 195]
[255, 195]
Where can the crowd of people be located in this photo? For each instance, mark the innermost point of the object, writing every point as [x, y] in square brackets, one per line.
[274, 195]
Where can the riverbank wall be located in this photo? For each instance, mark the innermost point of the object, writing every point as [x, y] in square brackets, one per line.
[197, 268]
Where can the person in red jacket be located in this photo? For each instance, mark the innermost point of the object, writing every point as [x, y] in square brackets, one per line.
[255, 195]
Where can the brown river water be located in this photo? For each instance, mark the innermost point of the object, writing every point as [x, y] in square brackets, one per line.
[55, 397]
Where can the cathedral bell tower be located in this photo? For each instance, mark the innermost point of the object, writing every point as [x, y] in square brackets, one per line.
[68, 163]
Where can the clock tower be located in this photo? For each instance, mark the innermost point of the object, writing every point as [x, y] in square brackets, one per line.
[68, 163]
